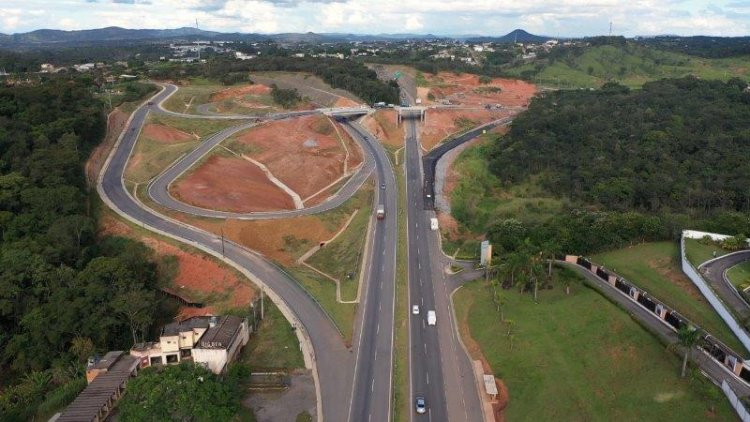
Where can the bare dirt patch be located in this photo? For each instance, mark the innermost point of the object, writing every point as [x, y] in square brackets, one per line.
[304, 153]
[115, 124]
[282, 240]
[465, 89]
[384, 125]
[241, 92]
[198, 278]
[165, 134]
[440, 123]
[345, 102]
[665, 268]
[230, 183]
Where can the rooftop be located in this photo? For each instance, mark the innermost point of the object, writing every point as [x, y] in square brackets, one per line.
[222, 333]
[95, 396]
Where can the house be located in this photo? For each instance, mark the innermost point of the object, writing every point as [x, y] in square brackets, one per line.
[211, 341]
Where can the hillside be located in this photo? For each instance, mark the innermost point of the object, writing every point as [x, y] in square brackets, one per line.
[674, 145]
[631, 64]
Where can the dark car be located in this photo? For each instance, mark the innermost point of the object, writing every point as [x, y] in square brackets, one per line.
[382, 186]
[421, 405]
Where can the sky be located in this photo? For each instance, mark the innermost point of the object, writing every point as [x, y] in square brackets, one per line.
[561, 18]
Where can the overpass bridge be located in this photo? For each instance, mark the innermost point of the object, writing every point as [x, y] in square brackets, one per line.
[411, 112]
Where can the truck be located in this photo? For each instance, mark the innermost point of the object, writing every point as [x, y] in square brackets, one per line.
[431, 318]
[379, 104]
[380, 213]
[418, 101]
[433, 223]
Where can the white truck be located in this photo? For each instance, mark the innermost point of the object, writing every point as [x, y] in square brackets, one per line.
[418, 101]
[380, 213]
[433, 223]
[431, 318]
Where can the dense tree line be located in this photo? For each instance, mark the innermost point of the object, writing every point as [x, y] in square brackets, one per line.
[633, 166]
[351, 76]
[64, 293]
[703, 46]
[675, 145]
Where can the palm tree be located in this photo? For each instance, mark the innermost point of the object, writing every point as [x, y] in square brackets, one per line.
[687, 337]
[550, 250]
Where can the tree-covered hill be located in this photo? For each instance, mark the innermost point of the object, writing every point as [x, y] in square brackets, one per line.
[675, 145]
[65, 294]
[627, 62]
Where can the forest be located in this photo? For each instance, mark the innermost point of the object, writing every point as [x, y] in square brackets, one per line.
[65, 293]
[633, 165]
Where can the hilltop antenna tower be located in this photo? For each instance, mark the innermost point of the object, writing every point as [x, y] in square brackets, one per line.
[610, 28]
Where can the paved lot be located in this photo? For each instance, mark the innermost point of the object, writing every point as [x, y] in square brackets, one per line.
[285, 405]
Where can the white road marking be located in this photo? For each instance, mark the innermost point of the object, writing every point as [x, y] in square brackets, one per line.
[372, 387]
[425, 350]
[428, 377]
[376, 354]
[419, 264]
[378, 331]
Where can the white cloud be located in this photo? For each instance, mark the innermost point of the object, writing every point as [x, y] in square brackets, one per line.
[413, 23]
[490, 17]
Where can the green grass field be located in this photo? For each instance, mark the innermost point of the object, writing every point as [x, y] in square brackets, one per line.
[632, 65]
[343, 256]
[581, 358]
[479, 198]
[274, 346]
[698, 252]
[324, 291]
[655, 268]
[739, 275]
[199, 91]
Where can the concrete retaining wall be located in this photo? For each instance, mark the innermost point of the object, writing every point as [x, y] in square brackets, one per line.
[736, 403]
[709, 294]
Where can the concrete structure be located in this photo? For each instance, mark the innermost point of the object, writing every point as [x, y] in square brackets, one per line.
[213, 342]
[107, 379]
[485, 254]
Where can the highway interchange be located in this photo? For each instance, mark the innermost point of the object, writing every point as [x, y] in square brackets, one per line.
[352, 383]
[363, 372]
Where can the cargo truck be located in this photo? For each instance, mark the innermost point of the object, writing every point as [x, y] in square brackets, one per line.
[433, 223]
[380, 213]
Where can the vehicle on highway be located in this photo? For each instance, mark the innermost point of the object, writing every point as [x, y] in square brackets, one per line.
[420, 405]
[380, 212]
[150, 103]
[433, 223]
[431, 318]
[382, 186]
[415, 310]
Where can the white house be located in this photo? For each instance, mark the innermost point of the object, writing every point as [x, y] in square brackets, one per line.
[210, 341]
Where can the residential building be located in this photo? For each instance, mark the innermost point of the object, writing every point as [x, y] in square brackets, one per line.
[213, 342]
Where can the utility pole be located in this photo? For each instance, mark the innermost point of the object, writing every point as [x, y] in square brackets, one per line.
[262, 307]
[222, 240]
[610, 28]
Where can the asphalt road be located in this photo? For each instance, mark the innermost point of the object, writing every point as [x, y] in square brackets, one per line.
[656, 326]
[715, 273]
[371, 395]
[158, 189]
[333, 361]
[424, 348]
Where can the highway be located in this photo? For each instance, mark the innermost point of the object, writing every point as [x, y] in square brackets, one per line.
[371, 395]
[440, 368]
[332, 362]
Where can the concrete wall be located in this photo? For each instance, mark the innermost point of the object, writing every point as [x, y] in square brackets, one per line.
[709, 294]
[214, 359]
[736, 403]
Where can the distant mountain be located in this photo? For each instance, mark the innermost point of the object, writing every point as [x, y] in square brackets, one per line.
[114, 33]
[517, 35]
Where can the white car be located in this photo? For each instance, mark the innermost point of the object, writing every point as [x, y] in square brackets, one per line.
[415, 310]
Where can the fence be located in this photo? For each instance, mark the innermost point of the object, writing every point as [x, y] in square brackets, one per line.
[735, 401]
[709, 294]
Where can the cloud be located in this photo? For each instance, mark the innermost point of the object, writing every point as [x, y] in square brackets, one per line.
[487, 17]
